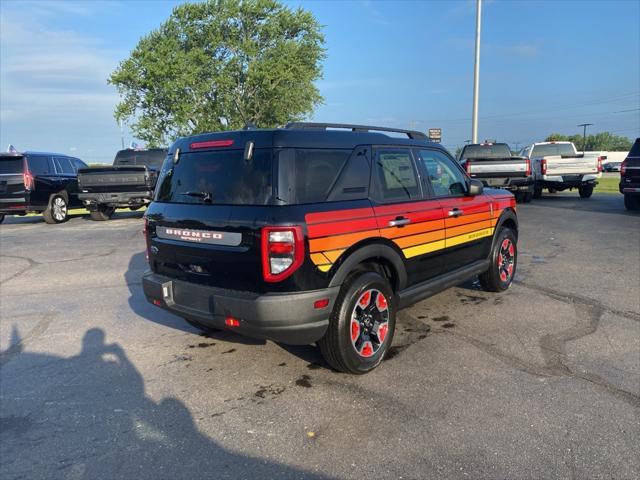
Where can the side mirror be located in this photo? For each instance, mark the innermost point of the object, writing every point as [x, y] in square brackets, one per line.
[475, 187]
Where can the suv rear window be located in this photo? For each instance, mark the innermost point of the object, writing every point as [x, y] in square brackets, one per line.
[39, 165]
[10, 165]
[217, 178]
[635, 149]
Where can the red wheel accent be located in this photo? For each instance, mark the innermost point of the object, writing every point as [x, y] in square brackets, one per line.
[381, 302]
[382, 332]
[367, 350]
[355, 330]
[511, 249]
[365, 299]
[500, 259]
[503, 276]
[510, 269]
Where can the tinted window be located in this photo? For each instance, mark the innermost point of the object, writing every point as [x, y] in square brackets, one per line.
[552, 149]
[306, 176]
[635, 149]
[11, 165]
[39, 165]
[500, 150]
[64, 165]
[395, 175]
[78, 163]
[217, 177]
[150, 158]
[445, 177]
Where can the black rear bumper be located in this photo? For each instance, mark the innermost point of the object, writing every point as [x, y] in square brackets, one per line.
[282, 317]
[515, 184]
[115, 199]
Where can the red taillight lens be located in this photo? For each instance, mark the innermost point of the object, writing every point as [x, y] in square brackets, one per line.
[29, 183]
[211, 144]
[231, 322]
[528, 171]
[467, 167]
[543, 166]
[282, 252]
[623, 168]
[599, 164]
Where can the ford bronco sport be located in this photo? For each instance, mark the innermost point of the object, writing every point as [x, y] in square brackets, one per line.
[320, 233]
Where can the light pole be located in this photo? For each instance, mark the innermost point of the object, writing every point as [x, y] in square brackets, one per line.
[584, 135]
[476, 75]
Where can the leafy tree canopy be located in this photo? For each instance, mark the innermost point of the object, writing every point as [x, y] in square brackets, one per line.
[219, 65]
[604, 141]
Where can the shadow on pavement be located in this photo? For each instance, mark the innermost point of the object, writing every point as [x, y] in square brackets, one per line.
[87, 417]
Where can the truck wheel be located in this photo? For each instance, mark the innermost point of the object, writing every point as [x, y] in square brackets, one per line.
[1, 218]
[526, 197]
[537, 192]
[361, 325]
[102, 213]
[631, 202]
[552, 190]
[58, 209]
[585, 192]
[503, 261]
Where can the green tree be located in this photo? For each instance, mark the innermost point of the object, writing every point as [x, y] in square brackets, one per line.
[219, 65]
[603, 141]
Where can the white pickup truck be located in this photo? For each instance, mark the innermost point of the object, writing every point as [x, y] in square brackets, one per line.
[558, 166]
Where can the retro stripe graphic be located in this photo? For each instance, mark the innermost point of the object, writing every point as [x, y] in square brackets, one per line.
[332, 233]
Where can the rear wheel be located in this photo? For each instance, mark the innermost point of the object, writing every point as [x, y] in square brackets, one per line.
[58, 209]
[552, 190]
[1, 218]
[504, 259]
[102, 213]
[361, 325]
[586, 191]
[537, 192]
[631, 202]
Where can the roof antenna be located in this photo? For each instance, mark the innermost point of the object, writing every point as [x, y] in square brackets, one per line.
[11, 149]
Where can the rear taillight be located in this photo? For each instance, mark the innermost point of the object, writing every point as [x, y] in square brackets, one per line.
[623, 167]
[467, 167]
[29, 183]
[211, 144]
[282, 252]
[599, 164]
[528, 163]
[543, 166]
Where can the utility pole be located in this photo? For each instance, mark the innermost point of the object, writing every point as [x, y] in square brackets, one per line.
[476, 75]
[122, 134]
[584, 135]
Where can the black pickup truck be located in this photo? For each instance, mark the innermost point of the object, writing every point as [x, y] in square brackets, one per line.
[493, 164]
[128, 183]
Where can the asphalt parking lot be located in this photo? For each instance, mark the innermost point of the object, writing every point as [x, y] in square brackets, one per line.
[542, 381]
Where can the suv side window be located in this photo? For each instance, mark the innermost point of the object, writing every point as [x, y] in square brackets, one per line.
[395, 177]
[39, 165]
[63, 165]
[445, 178]
[77, 164]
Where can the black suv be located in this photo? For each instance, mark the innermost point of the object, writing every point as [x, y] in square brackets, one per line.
[630, 178]
[39, 182]
[319, 233]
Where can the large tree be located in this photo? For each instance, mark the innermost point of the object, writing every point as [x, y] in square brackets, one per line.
[218, 65]
[603, 141]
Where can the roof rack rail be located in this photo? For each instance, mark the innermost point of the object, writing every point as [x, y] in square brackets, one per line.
[412, 134]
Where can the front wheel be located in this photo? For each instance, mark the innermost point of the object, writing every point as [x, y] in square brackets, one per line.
[361, 325]
[586, 191]
[102, 213]
[58, 209]
[504, 259]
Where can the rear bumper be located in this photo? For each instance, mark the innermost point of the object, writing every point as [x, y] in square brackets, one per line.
[117, 199]
[14, 206]
[518, 184]
[633, 189]
[568, 181]
[283, 317]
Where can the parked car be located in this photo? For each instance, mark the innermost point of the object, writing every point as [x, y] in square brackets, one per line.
[558, 166]
[128, 183]
[612, 167]
[493, 164]
[320, 233]
[39, 182]
[630, 177]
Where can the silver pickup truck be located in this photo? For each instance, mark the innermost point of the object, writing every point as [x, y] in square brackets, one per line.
[493, 165]
[558, 166]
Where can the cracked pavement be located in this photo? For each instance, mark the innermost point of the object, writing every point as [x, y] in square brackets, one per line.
[542, 381]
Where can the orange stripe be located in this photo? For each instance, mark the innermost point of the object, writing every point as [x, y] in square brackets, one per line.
[412, 229]
[340, 241]
[472, 227]
[413, 240]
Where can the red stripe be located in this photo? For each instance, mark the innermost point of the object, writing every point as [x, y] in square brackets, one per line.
[337, 228]
[407, 207]
[338, 215]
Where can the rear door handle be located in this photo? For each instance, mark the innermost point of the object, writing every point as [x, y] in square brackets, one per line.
[456, 212]
[399, 222]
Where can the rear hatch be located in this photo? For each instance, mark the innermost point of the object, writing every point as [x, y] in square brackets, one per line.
[204, 224]
[13, 195]
[504, 167]
[115, 179]
[562, 159]
[632, 165]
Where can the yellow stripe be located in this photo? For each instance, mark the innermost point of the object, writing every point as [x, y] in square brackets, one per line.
[469, 237]
[319, 258]
[333, 255]
[424, 248]
[324, 268]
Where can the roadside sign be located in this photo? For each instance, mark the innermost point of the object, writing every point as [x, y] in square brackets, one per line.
[435, 134]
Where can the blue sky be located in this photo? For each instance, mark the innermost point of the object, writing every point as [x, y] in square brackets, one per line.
[546, 66]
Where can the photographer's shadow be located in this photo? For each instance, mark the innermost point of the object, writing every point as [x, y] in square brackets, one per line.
[88, 417]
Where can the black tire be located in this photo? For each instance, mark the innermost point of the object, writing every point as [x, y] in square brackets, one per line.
[631, 202]
[585, 192]
[518, 196]
[537, 192]
[552, 190]
[57, 210]
[499, 276]
[527, 197]
[338, 346]
[102, 213]
[1, 218]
